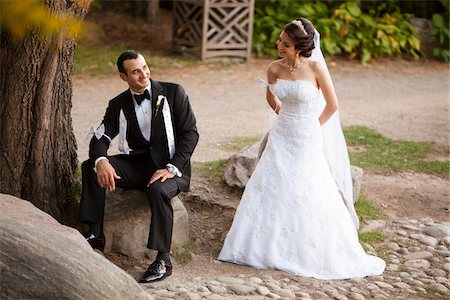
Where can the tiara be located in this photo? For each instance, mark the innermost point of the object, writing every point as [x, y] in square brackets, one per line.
[300, 25]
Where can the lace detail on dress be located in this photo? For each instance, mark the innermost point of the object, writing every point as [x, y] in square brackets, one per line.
[291, 216]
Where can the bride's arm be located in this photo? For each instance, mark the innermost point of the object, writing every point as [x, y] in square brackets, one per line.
[326, 85]
[274, 103]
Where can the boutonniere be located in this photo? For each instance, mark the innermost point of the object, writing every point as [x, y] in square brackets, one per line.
[159, 102]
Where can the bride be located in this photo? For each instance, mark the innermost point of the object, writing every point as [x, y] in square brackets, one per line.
[296, 213]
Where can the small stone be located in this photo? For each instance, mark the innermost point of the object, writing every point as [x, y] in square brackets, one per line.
[373, 225]
[284, 293]
[428, 240]
[229, 280]
[394, 246]
[435, 272]
[426, 280]
[356, 296]
[392, 267]
[418, 255]
[401, 285]
[403, 251]
[446, 267]
[416, 236]
[442, 247]
[444, 253]
[372, 286]
[302, 295]
[440, 288]
[319, 295]
[188, 296]
[404, 274]
[414, 249]
[418, 263]
[402, 233]
[383, 285]
[255, 280]
[434, 260]
[262, 290]
[410, 227]
[446, 240]
[421, 289]
[442, 279]
[414, 282]
[217, 289]
[273, 296]
[437, 230]
[241, 290]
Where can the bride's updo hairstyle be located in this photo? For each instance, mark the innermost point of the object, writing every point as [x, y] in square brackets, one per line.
[301, 32]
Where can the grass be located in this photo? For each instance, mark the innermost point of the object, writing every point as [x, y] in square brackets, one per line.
[214, 170]
[371, 237]
[383, 154]
[238, 143]
[183, 253]
[101, 60]
[365, 209]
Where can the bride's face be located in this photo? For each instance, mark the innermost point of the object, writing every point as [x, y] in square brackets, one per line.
[285, 46]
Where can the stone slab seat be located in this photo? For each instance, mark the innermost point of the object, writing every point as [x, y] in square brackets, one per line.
[127, 223]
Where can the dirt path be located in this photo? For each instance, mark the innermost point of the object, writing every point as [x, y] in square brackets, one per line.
[402, 100]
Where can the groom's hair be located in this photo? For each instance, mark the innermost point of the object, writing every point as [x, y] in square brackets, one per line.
[128, 54]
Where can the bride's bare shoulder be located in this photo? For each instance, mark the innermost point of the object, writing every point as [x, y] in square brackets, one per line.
[274, 69]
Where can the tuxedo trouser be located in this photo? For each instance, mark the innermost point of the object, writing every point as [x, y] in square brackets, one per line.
[135, 172]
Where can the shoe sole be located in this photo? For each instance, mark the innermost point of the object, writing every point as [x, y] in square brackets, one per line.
[167, 274]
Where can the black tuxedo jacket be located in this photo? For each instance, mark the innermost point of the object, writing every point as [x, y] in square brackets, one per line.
[184, 126]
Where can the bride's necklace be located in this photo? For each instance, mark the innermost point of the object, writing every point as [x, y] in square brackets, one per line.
[295, 66]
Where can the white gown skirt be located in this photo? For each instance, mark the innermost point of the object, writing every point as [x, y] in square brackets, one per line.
[291, 216]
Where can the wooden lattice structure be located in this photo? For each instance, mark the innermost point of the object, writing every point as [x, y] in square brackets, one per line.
[212, 28]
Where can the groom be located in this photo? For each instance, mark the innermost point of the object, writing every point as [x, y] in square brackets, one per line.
[157, 135]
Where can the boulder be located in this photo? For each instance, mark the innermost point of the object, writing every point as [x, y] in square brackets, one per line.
[240, 166]
[42, 259]
[127, 223]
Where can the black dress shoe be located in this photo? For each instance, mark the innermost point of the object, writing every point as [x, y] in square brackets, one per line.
[158, 270]
[96, 242]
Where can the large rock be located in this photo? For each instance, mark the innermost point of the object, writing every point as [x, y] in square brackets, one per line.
[240, 166]
[42, 259]
[127, 223]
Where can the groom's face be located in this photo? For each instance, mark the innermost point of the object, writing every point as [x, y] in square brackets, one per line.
[138, 73]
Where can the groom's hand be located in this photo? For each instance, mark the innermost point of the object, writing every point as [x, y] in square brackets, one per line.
[162, 174]
[106, 175]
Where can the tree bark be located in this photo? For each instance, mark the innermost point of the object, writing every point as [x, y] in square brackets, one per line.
[37, 144]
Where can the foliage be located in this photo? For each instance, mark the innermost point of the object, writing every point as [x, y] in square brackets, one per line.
[384, 154]
[344, 28]
[441, 32]
[19, 17]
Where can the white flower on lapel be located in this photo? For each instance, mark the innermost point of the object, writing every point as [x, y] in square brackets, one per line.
[160, 100]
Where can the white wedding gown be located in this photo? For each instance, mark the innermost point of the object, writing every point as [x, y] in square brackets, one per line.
[291, 216]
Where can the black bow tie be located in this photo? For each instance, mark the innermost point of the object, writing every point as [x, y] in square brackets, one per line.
[141, 97]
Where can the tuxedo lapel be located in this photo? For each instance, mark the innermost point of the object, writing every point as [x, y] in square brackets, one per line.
[157, 90]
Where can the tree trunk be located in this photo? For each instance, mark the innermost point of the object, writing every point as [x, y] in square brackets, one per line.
[37, 145]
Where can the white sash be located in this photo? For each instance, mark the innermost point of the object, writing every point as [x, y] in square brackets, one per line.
[167, 119]
[123, 144]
